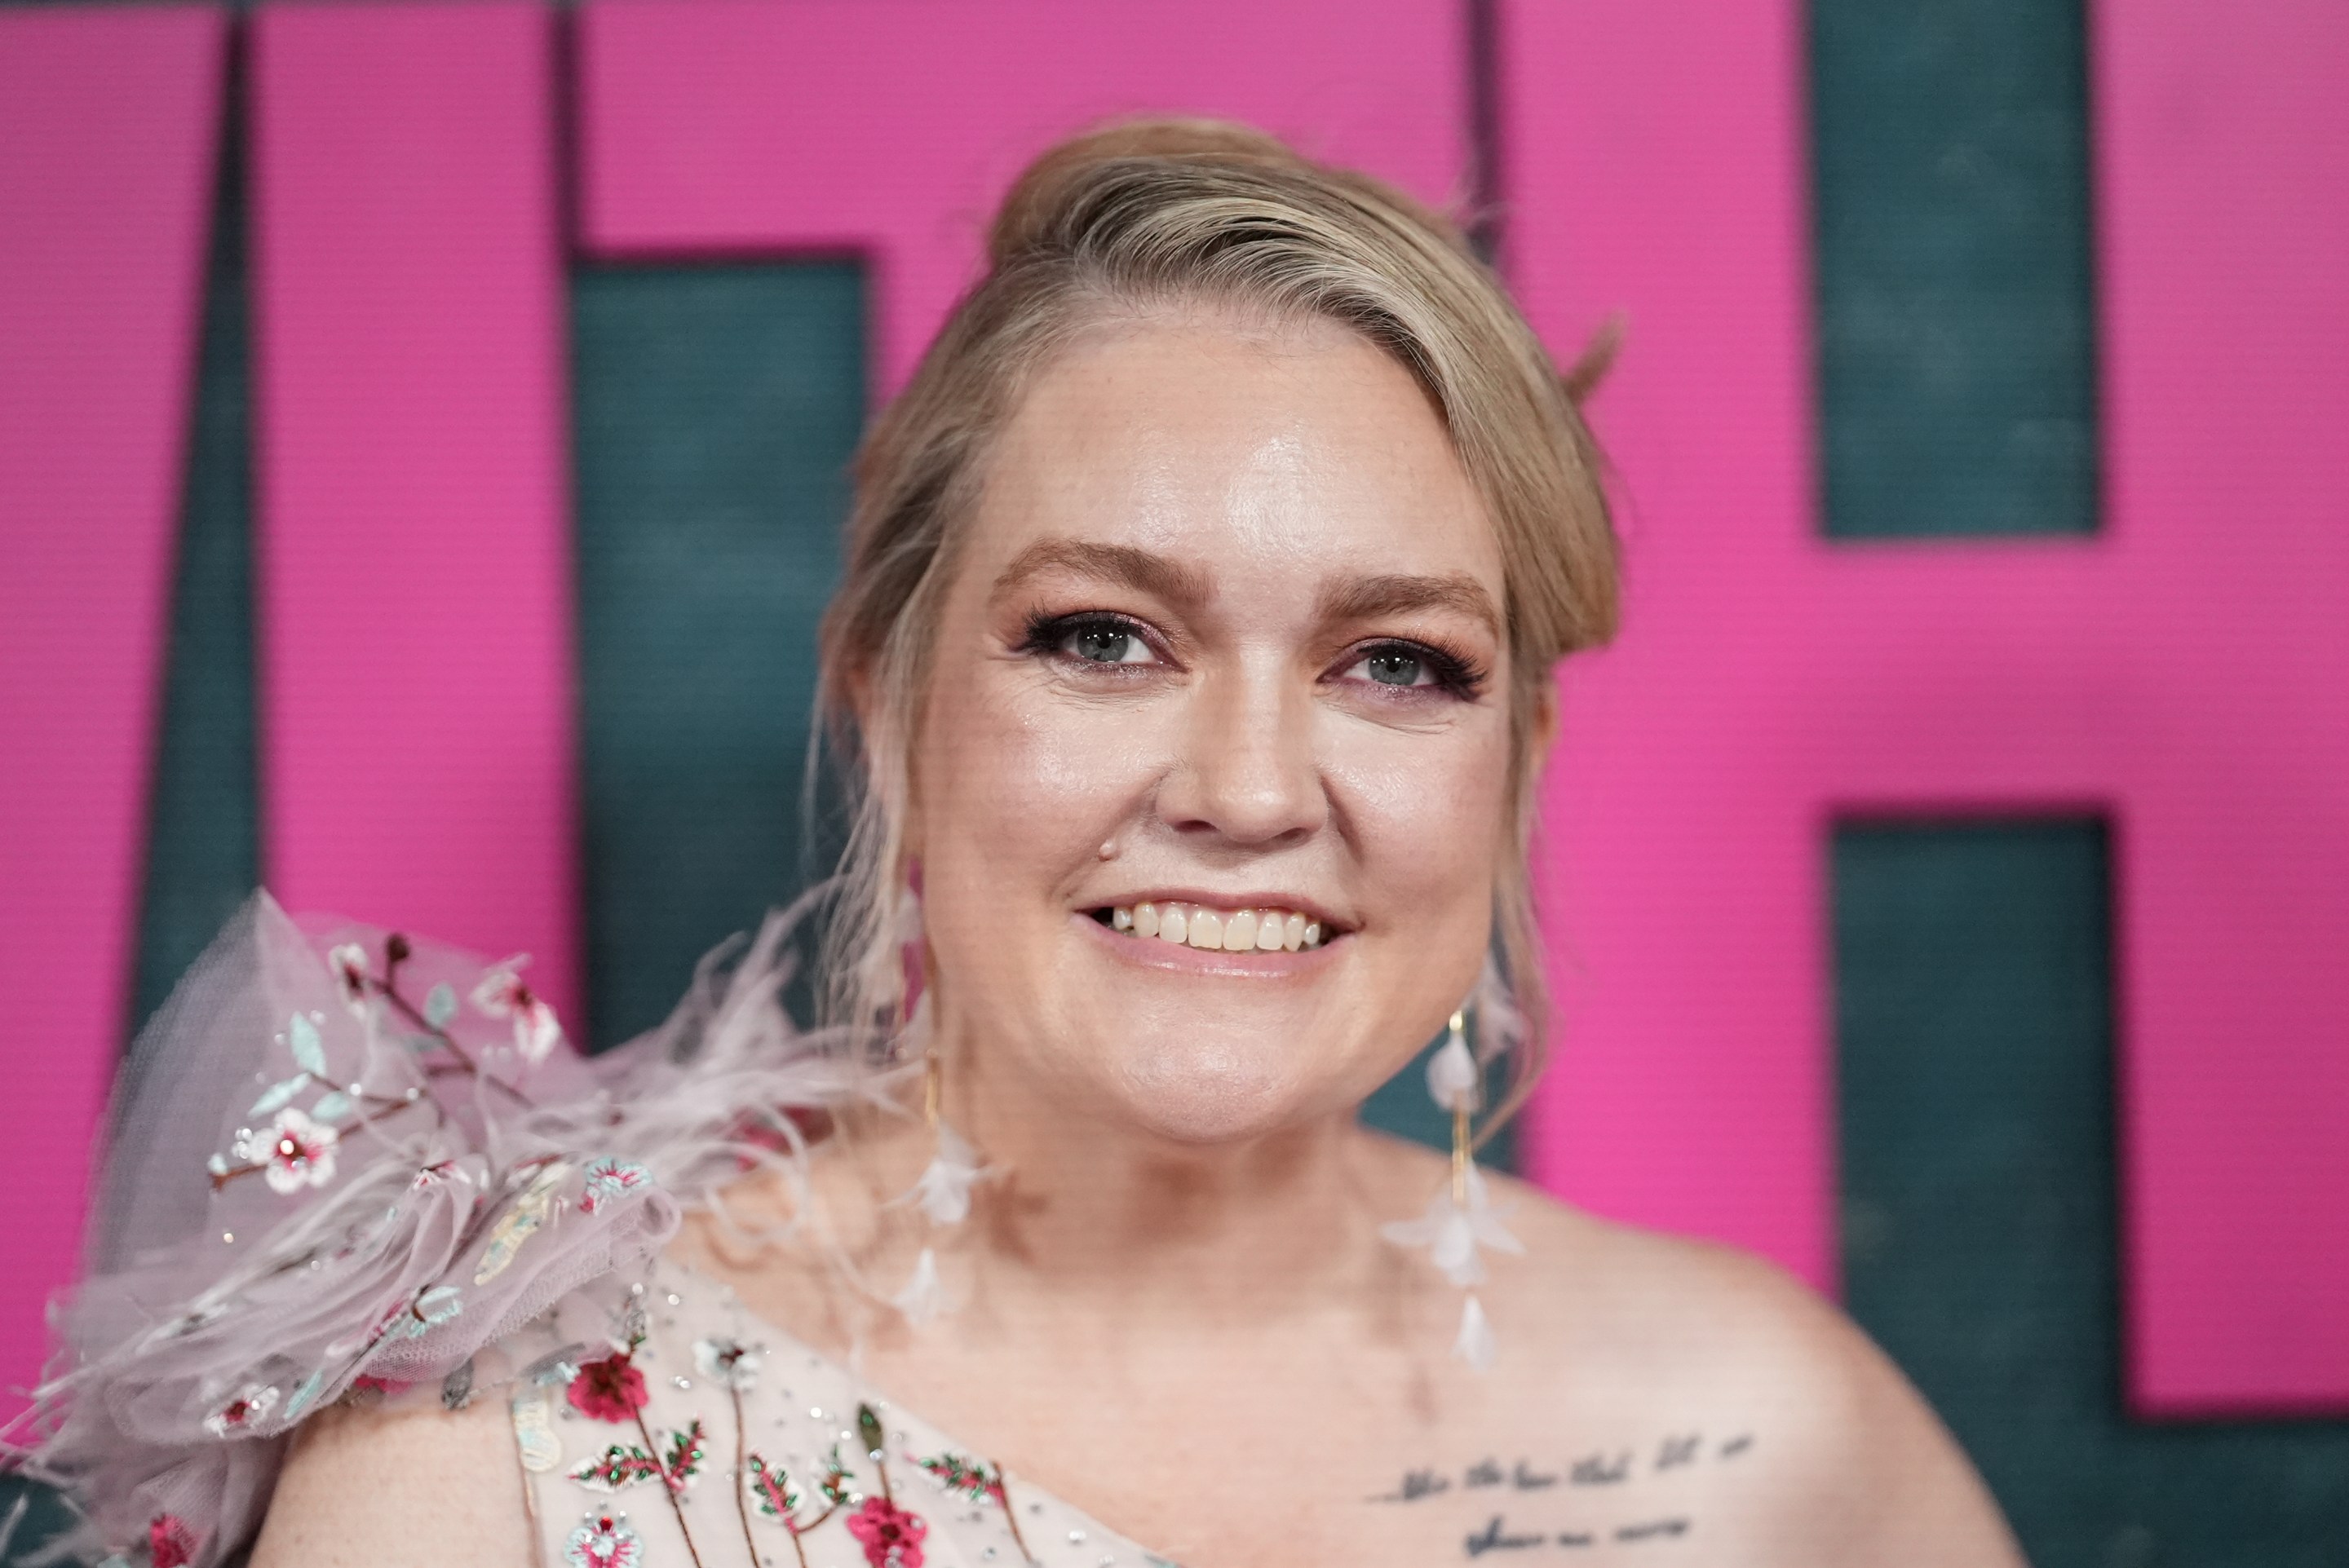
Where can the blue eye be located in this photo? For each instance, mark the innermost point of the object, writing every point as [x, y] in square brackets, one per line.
[1092, 640]
[1417, 669]
[1102, 643]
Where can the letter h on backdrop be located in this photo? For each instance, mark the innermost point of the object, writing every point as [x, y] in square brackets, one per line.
[2184, 671]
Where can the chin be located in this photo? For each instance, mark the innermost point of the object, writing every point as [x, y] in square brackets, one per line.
[1207, 1091]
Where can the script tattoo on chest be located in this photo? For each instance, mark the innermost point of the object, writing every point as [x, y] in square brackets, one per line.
[1599, 1484]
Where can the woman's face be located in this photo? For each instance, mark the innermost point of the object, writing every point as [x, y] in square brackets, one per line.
[1224, 638]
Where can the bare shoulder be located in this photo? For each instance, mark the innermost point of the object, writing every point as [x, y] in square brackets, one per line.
[389, 1487]
[1801, 1433]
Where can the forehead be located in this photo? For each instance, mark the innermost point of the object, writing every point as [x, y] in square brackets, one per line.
[1266, 454]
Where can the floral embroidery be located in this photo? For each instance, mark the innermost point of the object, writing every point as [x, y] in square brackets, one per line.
[292, 1151]
[727, 1362]
[604, 1541]
[974, 1479]
[502, 994]
[610, 1389]
[686, 1450]
[610, 1178]
[622, 1464]
[430, 1309]
[239, 1414]
[304, 1392]
[771, 1488]
[891, 1536]
[521, 1221]
[348, 965]
[170, 1542]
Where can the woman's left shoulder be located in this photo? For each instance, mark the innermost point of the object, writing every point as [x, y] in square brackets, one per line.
[1740, 1365]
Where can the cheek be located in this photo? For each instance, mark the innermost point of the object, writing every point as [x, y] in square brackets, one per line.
[1430, 820]
[1018, 789]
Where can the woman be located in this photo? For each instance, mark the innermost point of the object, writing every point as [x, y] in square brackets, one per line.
[1196, 641]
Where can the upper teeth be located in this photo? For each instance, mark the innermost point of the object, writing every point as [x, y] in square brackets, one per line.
[1232, 930]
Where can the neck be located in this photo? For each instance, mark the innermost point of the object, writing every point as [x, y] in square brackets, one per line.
[1082, 1215]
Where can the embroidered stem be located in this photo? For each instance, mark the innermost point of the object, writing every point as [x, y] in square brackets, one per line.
[221, 1179]
[669, 1486]
[466, 1064]
[1003, 1490]
[742, 1498]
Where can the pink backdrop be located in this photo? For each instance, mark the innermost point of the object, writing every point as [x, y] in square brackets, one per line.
[414, 507]
[2188, 670]
[107, 121]
[415, 605]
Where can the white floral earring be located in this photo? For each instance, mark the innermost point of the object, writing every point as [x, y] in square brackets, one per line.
[1460, 1220]
[942, 1191]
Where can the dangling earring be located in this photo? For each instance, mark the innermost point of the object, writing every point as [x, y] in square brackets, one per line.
[1460, 1219]
[943, 1190]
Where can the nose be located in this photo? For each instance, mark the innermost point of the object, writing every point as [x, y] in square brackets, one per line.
[1247, 773]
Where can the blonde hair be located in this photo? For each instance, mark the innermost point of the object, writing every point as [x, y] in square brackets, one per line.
[1173, 214]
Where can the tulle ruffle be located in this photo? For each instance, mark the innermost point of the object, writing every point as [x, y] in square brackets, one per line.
[344, 1161]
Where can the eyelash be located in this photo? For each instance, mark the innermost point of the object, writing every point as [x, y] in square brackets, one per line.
[1453, 674]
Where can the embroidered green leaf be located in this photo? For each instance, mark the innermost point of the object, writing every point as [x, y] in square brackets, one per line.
[441, 1006]
[331, 1106]
[687, 1449]
[835, 1484]
[302, 1039]
[972, 1477]
[307, 1390]
[622, 1464]
[771, 1488]
[868, 1428]
[277, 1096]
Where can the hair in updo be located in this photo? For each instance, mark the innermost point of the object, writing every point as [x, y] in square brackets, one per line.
[1181, 215]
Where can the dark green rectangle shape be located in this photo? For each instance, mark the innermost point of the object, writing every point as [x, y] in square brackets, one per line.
[1974, 1029]
[716, 409]
[1957, 363]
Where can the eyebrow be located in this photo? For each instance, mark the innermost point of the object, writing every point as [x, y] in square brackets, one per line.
[1184, 587]
[1188, 588]
[1368, 598]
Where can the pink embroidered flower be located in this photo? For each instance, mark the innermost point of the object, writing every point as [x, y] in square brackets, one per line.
[609, 1178]
[610, 1389]
[502, 994]
[294, 1151]
[604, 1542]
[170, 1542]
[349, 964]
[891, 1536]
[239, 1414]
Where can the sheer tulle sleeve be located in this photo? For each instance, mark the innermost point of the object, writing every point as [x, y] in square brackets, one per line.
[343, 1161]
